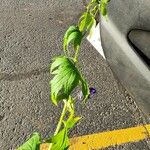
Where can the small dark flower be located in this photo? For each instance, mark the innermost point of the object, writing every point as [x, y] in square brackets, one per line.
[92, 91]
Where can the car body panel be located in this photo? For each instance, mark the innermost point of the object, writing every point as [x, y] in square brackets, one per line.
[119, 42]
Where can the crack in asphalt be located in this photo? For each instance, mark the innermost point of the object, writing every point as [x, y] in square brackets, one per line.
[20, 76]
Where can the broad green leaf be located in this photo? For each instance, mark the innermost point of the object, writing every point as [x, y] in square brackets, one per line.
[31, 144]
[66, 78]
[61, 140]
[70, 30]
[72, 82]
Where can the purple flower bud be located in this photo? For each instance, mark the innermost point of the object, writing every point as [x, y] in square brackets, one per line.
[92, 90]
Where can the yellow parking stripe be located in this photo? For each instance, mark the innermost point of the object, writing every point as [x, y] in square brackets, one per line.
[106, 139]
[110, 138]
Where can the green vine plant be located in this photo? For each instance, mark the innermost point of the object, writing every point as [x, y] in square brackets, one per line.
[67, 77]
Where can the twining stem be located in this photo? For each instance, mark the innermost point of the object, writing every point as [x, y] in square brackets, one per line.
[60, 121]
[61, 118]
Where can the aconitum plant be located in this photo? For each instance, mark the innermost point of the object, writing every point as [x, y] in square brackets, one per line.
[67, 77]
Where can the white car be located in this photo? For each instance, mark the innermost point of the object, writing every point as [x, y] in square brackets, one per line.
[125, 40]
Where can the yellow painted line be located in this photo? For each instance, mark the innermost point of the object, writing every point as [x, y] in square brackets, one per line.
[106, 139]
[110, 138]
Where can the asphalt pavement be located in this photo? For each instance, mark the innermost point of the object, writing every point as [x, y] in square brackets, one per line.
[31, 33]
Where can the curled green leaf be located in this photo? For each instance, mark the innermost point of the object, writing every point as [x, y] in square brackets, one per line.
[72, 35]
[75, 38]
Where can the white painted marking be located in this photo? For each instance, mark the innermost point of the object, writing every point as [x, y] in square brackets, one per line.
[95, 40]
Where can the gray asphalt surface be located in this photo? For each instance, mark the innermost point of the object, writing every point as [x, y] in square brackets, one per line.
[31, 33]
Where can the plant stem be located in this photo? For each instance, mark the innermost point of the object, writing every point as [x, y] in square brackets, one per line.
[76, 55]
[61, 118]
[60, 122]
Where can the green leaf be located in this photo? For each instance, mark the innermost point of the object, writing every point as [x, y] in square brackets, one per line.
[70, 123]
[70, 30]
[86, 22]
[61, 140]
[31, 144]
[72, 36]
[103, 7]
[57, 62]
[85, 89]
[66, 78]
[75, 38]
[92, 4]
